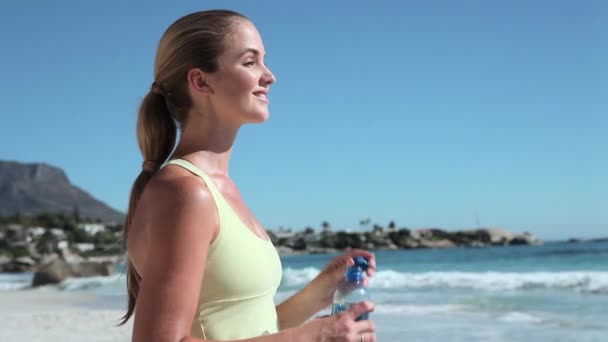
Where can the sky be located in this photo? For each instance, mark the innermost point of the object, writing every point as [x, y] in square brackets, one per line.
[451, 114]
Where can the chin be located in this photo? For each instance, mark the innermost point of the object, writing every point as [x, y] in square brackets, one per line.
[259, 117]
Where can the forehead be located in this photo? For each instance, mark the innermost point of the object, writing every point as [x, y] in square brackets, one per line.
[244, 37]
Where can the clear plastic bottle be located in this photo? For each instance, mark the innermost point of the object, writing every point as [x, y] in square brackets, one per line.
[351, 291]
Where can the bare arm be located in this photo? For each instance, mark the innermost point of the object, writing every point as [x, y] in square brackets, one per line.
[318, 294]
[294, 311]
[180, 222]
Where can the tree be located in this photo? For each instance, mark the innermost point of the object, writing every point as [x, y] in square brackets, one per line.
[48, 220]
[105, 237]
[79, 235]
[364, 222]
[326, 226]
[17, 217]
[76, 214]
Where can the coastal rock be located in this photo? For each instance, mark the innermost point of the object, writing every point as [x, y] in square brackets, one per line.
[17, 265]
[525, 239]
[91, 269]
[284, 250]
[499, 236]
[58, 270]
[442, 243]
[52, 273]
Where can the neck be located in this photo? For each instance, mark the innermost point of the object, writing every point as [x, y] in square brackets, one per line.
[207, 143]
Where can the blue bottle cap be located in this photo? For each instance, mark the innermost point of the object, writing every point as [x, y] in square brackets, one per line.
[362, 262]
[355, 273]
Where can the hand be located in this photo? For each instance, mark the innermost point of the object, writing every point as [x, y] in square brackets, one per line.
[343, 327]
[327, 281]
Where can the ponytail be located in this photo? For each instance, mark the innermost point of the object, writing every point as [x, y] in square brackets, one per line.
[156, 134]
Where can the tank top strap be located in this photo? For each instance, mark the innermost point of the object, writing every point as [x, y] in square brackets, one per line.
[217, 196]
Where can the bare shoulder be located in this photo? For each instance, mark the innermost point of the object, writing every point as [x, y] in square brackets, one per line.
[174, 185]
[174, 225]
[174, 203]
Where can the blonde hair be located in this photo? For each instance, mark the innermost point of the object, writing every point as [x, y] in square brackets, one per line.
[193, 41]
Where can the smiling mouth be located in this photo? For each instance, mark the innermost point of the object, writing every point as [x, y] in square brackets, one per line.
[261, 96]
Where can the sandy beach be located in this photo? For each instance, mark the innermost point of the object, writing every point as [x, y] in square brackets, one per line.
[57, 316]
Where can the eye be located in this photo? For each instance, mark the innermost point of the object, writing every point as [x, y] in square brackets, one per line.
[249, 64]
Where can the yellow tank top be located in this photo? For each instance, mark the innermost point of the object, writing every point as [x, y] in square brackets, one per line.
[242, 275]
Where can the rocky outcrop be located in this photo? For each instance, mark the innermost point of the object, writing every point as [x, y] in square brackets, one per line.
[17, 265]
[59, 270]
[503, 237]
[378, 239]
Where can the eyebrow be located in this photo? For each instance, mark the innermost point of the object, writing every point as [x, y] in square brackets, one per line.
[247, 50]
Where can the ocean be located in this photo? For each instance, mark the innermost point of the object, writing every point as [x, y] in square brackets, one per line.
[552, 292]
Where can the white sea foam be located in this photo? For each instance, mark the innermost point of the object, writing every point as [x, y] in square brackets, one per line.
[76, 284]
[594, 282]
[520, 317]
[298, 277]
[415, 309]
[591, 282]
[15, 281]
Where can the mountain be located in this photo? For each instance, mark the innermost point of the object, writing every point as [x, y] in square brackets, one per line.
[31, 189]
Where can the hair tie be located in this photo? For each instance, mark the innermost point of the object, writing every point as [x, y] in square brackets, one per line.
[158, 89]
[150, 166]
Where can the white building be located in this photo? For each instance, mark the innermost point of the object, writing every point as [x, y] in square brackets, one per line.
[58, 233]
[63, 244]
[84, 247]
[36, 232]
[92, 228]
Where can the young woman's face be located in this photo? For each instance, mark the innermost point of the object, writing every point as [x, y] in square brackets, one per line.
[242, 80]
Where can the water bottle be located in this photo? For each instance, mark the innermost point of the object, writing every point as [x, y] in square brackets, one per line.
[351, 290]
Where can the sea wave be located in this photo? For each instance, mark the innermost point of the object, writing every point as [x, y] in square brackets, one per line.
[15, 281]
[593, 282]
[589, 282]
[87, 283]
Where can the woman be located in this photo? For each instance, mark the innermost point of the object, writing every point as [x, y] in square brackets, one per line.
[200, 265]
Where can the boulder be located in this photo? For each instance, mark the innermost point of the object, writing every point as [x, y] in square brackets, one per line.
[284, 250]
[18, 265]
[52, 273]
[499, 236]
[4, 259]
[442, 243]
[92, 269]
[525, 239]
[59, 269]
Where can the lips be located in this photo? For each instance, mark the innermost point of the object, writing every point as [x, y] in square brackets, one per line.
[262, 95]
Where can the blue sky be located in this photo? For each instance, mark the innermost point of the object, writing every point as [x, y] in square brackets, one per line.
[430, 113]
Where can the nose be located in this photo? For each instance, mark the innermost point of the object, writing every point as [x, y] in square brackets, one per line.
[268, 77]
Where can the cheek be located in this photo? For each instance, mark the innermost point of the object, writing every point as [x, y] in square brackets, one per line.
[239, 84]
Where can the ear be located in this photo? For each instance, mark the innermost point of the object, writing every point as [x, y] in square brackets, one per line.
[197, 81]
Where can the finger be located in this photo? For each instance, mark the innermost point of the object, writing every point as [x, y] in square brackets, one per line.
[360, 308]
[366, 337]
[369, 255]
[360, 252]
[365, 325]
